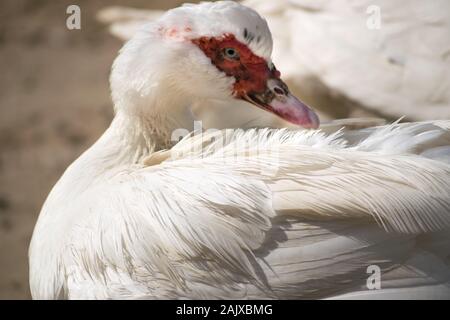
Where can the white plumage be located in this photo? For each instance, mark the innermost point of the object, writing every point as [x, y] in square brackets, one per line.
[255, 213]
[399, 68]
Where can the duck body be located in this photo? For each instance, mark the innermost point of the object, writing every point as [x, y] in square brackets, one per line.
[242, 213]
[296, 219]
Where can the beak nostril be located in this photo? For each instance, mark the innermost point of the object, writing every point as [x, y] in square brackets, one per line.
[278, 90]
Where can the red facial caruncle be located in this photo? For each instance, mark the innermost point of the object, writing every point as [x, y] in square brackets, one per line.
[250, 71]
[256, 81]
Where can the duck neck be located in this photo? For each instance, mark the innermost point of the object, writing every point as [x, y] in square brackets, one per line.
[139, 134]
[130, 138]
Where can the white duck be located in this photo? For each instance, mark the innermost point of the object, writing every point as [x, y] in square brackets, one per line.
[387, 57]
[249, 214]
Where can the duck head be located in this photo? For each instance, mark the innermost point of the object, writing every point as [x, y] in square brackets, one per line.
[208, 51]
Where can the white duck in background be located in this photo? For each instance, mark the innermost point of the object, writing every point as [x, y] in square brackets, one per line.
[336, 52]
[239, 214]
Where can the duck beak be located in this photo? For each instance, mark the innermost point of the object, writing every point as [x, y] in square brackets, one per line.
[277, 99]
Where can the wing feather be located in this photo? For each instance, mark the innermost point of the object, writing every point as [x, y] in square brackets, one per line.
[260, 213]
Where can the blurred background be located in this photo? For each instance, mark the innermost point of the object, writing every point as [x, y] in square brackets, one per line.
[55, 101]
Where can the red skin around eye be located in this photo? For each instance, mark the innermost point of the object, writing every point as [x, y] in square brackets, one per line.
[250, 71]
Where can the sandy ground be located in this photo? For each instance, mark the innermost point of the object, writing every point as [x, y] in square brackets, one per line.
[54, 103]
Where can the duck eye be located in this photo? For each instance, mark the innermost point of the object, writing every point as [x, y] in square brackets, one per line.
[231, 53]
